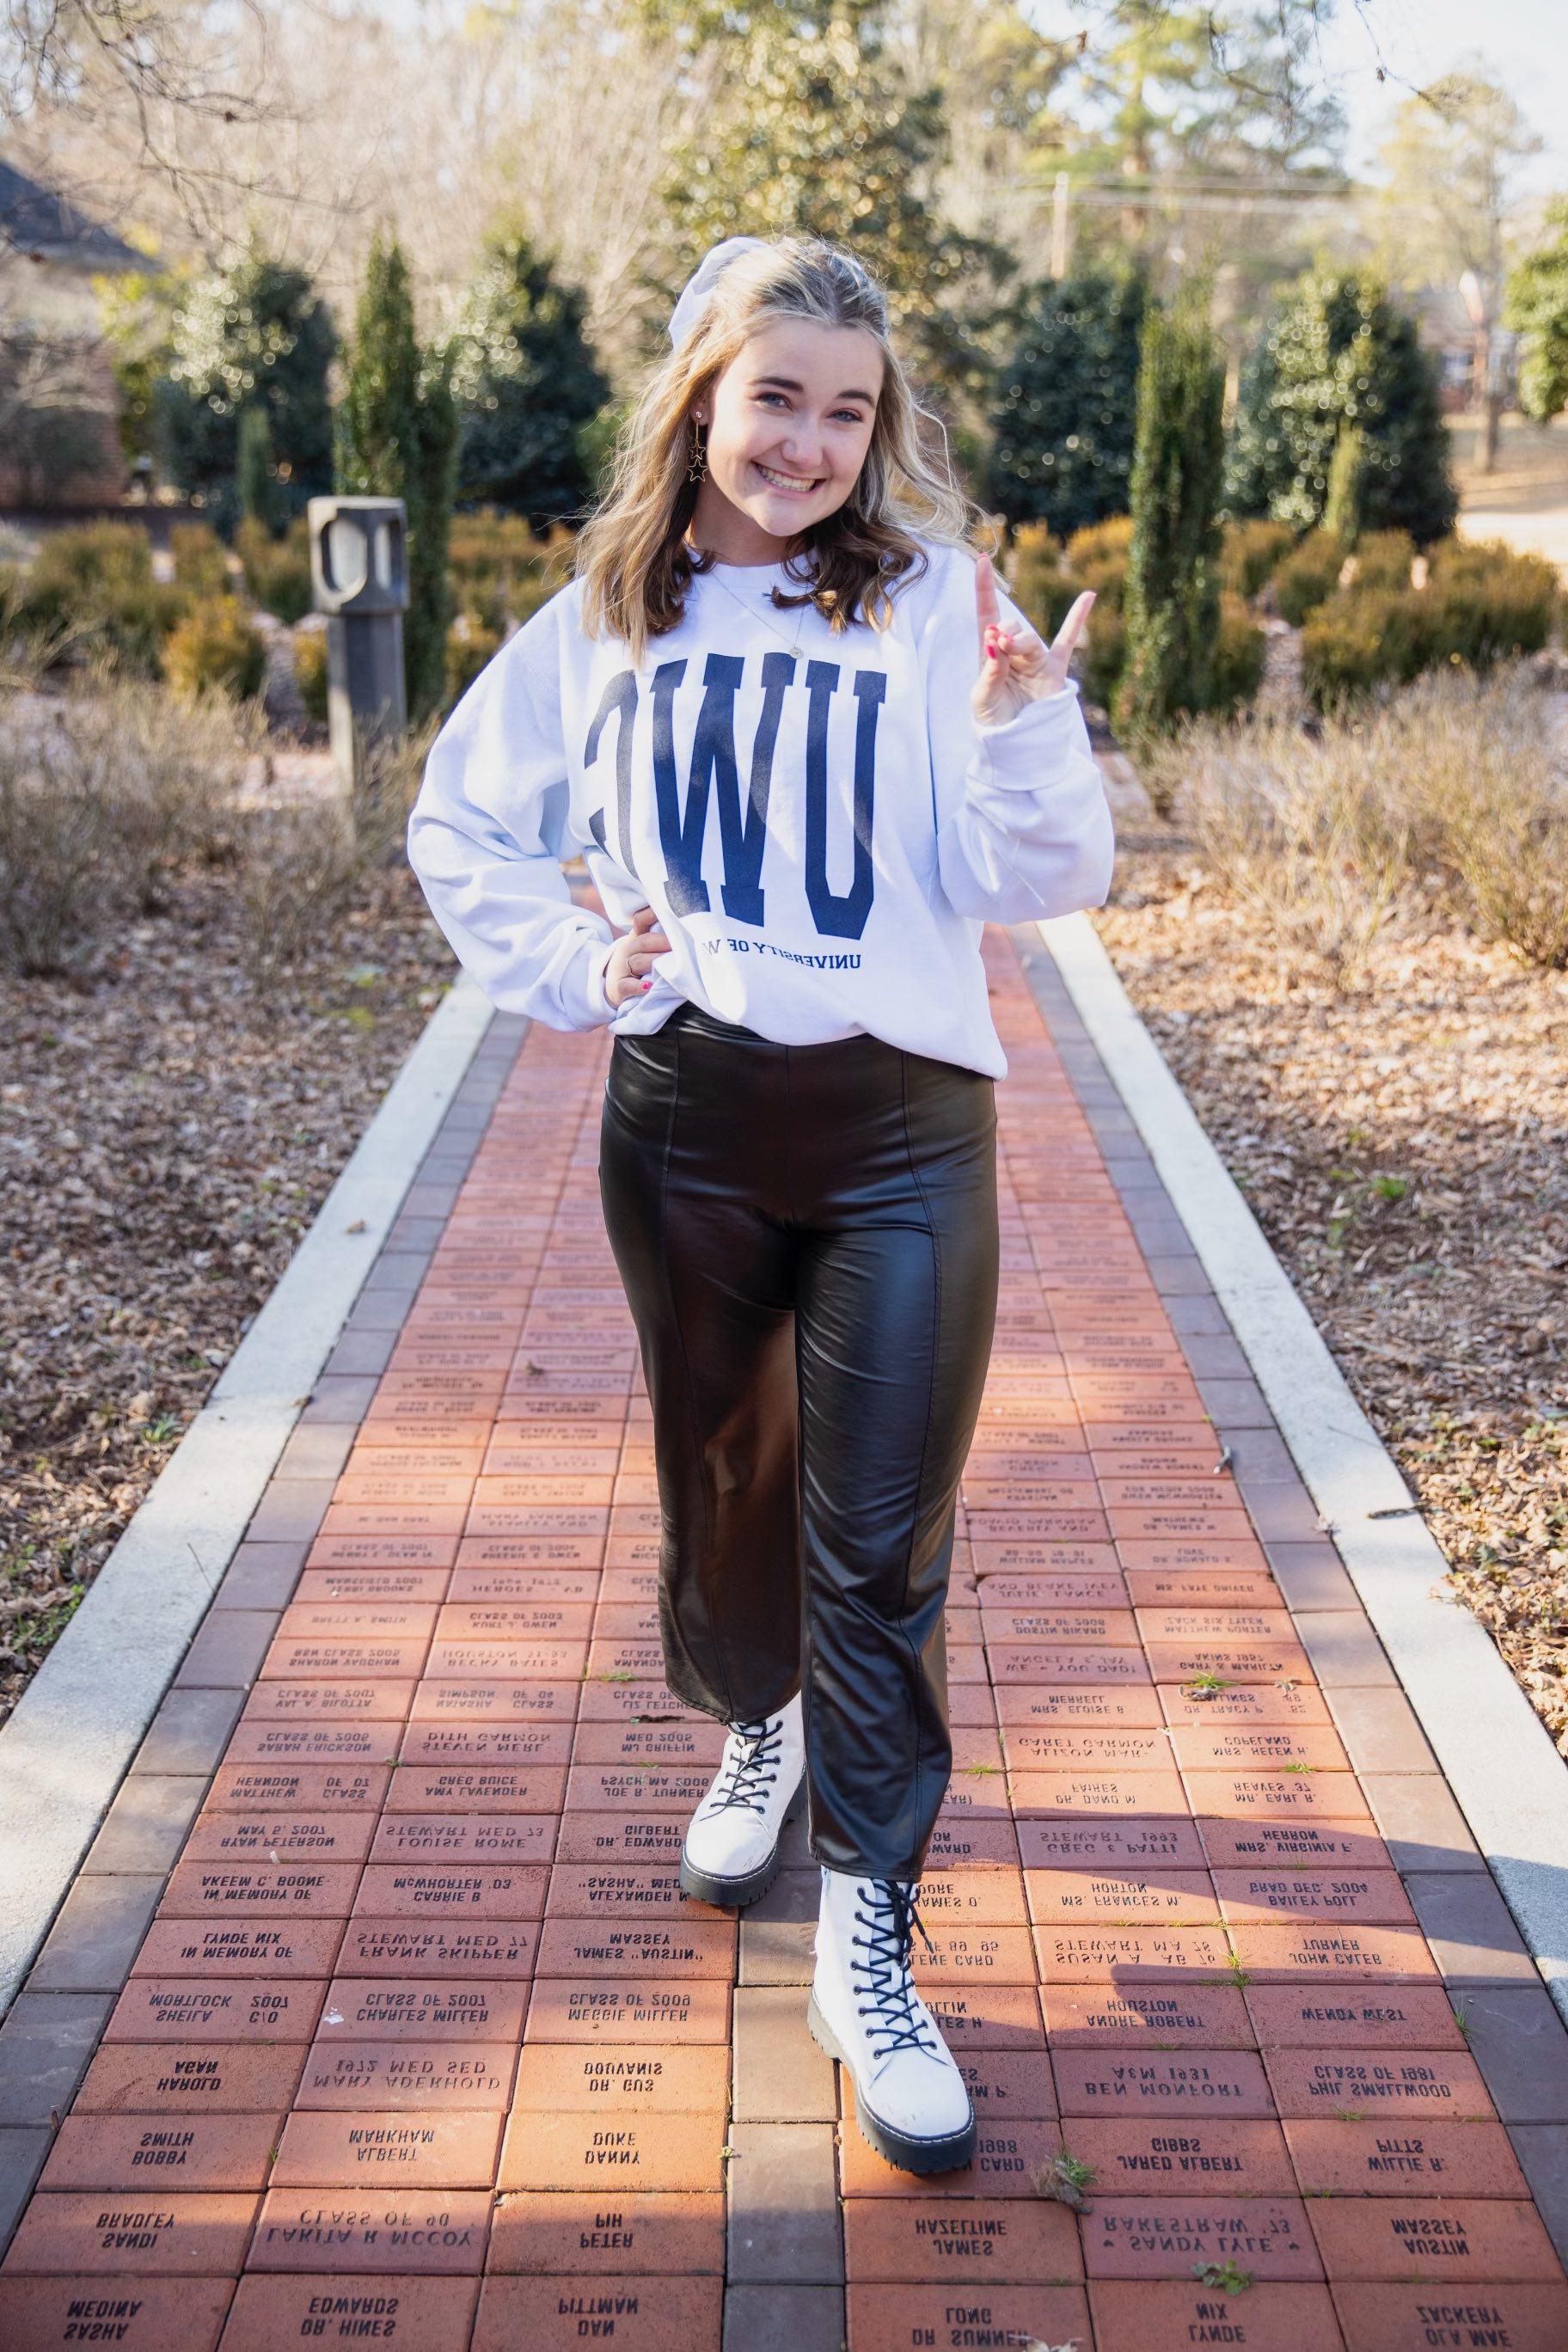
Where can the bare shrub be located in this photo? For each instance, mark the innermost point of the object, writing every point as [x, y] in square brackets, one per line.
[299, 868]
[304, 862]
[1513, 854]
[1489, 784]
[168, 774]
[1297, 832]
[390, 775]
[104, 792]
[56, 850]
[1454, 784]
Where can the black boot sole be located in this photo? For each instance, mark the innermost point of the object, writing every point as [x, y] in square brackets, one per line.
[734, 1894]
[948, 2153]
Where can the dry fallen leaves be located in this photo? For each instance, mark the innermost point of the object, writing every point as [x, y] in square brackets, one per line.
[1405, 1147]
[168, 1125]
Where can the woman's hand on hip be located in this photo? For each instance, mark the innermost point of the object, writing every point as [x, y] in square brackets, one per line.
[1017, 667]
[631, 957]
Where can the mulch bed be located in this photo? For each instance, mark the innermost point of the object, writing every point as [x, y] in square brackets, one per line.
[170, 1122]
[1406, 1150]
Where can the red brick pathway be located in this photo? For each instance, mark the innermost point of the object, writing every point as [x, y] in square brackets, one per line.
[375, 2015]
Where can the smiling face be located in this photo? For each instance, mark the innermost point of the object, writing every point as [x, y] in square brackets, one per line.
[789, 423]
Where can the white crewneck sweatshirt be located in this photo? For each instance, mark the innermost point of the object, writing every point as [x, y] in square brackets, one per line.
[820, 826]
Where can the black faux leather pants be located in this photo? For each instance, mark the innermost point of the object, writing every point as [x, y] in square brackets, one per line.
[807, 1237]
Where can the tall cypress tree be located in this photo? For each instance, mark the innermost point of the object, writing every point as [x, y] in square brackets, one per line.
[435, 482]
[1171, 603]
[396, 438]
[253, 471]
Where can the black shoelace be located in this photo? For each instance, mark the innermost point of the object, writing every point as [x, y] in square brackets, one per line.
[746, 1783]
[892, 1922]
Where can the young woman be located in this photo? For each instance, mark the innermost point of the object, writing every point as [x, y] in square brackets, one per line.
[807, 747]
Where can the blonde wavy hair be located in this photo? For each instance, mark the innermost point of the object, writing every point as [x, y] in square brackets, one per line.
[631, 555]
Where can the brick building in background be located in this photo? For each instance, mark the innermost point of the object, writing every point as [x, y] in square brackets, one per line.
[60, 447]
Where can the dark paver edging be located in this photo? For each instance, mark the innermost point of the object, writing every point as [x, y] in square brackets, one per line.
[66, 1747]
[1500, 1764]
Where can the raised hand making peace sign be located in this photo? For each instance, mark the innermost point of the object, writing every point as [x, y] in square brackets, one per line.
[1017, 667]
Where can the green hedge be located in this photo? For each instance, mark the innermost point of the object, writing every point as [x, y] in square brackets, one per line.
[1046, 578]
[215, 649]
[1382, 558]
[311, 672]
[277, 571]
[1482, 604]
[94, 582]
[1250, 552]
[1308, 577]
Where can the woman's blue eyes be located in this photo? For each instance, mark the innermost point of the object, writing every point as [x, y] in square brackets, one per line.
[853, 414]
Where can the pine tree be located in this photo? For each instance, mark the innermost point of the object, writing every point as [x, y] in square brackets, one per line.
[430, 587]
[526, 383]
[819, 129]
[1338, 353]
[377, 421]
[396, 438]
[253, 335]
[1064, 422]
[1171, 603]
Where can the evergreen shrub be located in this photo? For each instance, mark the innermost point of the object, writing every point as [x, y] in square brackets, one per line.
[215, 649]
[1250, 552]
[1382, 558]
[277, 571]
[1170, 601]
[1307, 576]
[95, 581]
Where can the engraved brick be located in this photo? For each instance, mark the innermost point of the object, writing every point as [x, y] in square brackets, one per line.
[396, 2232]
[662, 2315]
[1148, 2315]
[416, 2149]
[921, 2241]
[572, 2150]
[695, 2011]
[182, 2078]
[1151, 2083]
[137, 2314]
[142, 2234]
[648, 2236]
[1167, 2235]
[420, 2315]
[422, 2077]
[1442, 2242]
[147, 2154]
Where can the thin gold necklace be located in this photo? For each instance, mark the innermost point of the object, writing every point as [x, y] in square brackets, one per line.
[757, 612]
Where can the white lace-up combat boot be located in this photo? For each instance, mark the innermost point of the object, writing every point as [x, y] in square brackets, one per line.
[731, 1850]
[911, 2101]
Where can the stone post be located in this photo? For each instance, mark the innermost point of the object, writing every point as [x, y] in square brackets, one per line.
[359, 578]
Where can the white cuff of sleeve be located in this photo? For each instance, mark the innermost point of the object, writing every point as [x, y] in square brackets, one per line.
[1019, 752]
[598, 1006]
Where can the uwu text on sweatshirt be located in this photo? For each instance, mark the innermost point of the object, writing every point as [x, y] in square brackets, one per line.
[820, 828]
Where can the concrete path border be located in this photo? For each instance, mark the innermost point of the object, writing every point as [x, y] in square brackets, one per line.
[68, 1745]
[1505, 1773]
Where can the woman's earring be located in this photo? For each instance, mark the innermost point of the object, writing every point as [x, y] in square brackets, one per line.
[699, 465]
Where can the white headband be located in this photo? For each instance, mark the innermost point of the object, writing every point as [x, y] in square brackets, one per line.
[697, 287]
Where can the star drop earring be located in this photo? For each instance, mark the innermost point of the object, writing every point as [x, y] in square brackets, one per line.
[699, 465]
